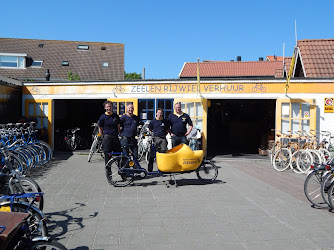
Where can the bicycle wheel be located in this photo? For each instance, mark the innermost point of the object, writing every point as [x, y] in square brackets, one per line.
[304, 160]
[325, 184]
[331, 196]
[114, 175]
[28, 185]
[293, 164]
[141, 151]
[93, 148]
[317, 160]
[282, 159]
[45, 245]
[312, 188]
[36, 221]
[207, 172]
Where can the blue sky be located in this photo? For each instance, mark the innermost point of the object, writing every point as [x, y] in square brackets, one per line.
[161, 35]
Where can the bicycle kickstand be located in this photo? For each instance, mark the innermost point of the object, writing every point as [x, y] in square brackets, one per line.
[172, 181]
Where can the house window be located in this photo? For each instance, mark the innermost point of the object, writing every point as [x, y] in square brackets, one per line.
[37, 64]
[41, 45]
[7, 61]
[83, 47]
[105, 65]
[65, 63]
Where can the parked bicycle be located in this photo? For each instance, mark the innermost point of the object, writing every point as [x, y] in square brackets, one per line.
[96, 144]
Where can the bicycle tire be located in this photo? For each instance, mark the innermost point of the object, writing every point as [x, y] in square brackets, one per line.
[45, 245]
[47, 148]
[317, 159]
[113, 173]
[312, 188]
[30, 186]
[325, 184]
[282, 159]
[207, 172]
[304, 160]
[37, 225]
[93, 148]
[331, 196]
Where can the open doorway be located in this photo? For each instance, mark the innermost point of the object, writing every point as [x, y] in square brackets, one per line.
[239, 126]
[70, 114]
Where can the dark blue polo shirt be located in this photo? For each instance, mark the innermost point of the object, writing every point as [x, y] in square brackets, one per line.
[129, 125]
[159, 127]
[109, 123]
[179, 124]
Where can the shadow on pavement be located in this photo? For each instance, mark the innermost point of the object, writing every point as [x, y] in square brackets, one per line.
[60, 223]
[43, 170]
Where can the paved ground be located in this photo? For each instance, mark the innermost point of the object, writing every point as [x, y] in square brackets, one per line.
[250, 206]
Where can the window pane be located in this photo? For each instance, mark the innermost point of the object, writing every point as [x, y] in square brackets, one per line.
[114, 107]
[45, 122]
[199, 109]
[285, 126]
[198, 122]
[294, 126]
[38, 126]
[121, 108]
[45, 109]
[142, 104]
[295, 110]
[143, 116]
[285, 110]
[305, 110]
[169, 104]
[31, 109]
[183, 106]
[167, 113]
[161, 104]
[21, 62]
[190, 109]
[150, 104]
[38, 111]
[150, 115]
[8, 61]
[306, 125]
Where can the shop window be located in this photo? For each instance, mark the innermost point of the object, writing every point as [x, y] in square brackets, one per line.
[146, 109]
[295, 115]
[40, 110]
[119, 105]
[166, 105]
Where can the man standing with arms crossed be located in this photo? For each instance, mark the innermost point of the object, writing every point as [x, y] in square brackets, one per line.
[129, 123]
[178, 122]
[109, 129]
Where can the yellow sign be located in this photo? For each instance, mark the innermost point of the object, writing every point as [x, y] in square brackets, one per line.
[329, 108]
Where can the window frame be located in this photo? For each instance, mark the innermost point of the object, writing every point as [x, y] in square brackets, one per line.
[312, 116]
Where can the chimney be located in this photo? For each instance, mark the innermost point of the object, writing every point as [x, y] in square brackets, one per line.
[238, 58]
[143, 74]
[261, 59]
[47, 75]
[275, 58]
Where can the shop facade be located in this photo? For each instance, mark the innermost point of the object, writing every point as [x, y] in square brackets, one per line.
[231, 113]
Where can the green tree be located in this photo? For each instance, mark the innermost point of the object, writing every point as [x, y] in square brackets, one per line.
[73, 77]
[130, 76]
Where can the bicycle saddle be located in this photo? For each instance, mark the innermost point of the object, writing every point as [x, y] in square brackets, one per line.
[179, 159]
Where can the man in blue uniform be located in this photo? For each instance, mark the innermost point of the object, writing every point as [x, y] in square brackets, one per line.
[109, 129]
[129, 123]
[178, 122]
[160, 127]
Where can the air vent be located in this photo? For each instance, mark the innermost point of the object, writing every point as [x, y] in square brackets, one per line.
[41, 45]
[82, 47]
[105, 64]
[65, 63]
[103, 48]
